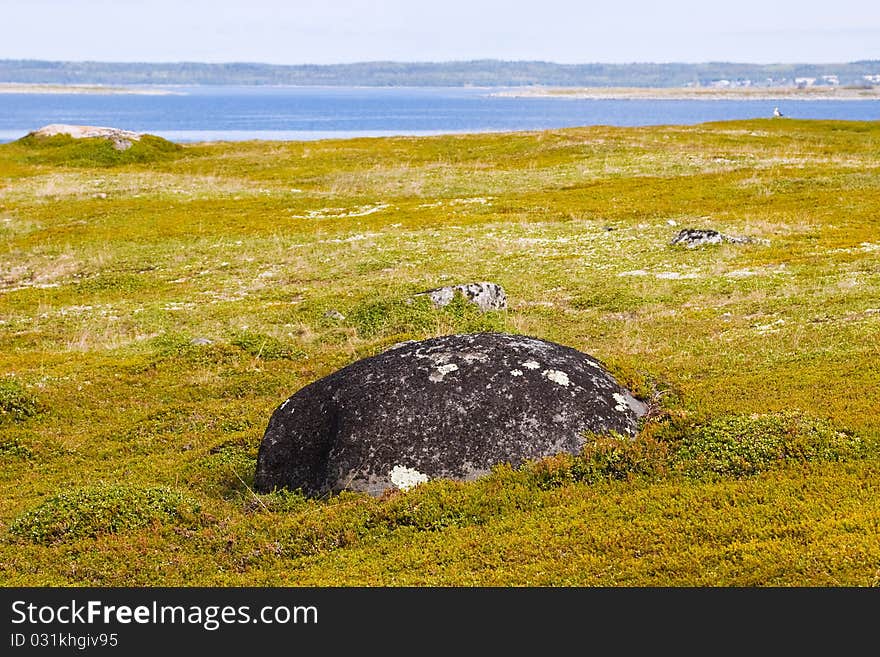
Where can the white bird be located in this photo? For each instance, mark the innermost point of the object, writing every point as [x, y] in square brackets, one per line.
[776, 112]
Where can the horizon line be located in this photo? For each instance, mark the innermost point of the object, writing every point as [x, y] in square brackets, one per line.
[443, 62]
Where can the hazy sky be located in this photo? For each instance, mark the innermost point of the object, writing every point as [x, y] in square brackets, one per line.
[332, 31]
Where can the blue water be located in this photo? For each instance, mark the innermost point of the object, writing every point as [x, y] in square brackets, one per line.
[306, 113]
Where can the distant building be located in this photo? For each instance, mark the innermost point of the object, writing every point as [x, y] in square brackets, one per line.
[724, 84]
[831, 79]
[805, 82]
[873, 79]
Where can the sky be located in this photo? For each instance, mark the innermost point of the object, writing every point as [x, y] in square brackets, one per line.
[340, 31]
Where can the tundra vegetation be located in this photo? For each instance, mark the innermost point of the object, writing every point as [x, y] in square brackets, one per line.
[158, 303]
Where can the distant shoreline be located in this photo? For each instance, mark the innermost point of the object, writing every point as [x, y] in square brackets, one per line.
[32, 88]
[593, 93]
[695, 93]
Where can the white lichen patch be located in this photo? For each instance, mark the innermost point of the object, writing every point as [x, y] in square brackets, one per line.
[758, 271]
[341, 213]
[516, 373]
[437, 375]
[742, 273]
[634, 272]
[772, 327]
[674, 275]
[557, 376]
[531, 365]
[621, 404]
[174, 306]
[476, 200]
[405, 478]
[223, 297]
[358, 237]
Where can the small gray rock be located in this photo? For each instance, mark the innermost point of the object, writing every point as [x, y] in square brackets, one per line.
[694, 237]
[448, 407]
[334, 314]
[201, 342]
[487, 296]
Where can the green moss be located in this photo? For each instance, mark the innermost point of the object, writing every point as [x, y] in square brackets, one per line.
[65, 150]
[226, 471]
[105, 509]
[121, 282]
[182, 348]
[743, 445]
[265, 347]
[731, 446]
[16, 403]
[417, 315]
[14, 448]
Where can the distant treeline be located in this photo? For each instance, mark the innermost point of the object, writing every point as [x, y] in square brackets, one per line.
[476, 73]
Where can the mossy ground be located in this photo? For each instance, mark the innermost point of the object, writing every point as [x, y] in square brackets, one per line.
[759, 467]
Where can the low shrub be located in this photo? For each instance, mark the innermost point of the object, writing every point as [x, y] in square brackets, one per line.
[742, 445]
[732, 445]
[92, 511]
[265, 347]
[12, 447]
[121, 282]
[417, 316]
[16, 403]
[181, 347]
[603, 458]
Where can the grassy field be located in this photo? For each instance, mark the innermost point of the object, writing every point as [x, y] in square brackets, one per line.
[128, 450]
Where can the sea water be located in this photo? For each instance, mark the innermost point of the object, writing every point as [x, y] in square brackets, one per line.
[235, 113]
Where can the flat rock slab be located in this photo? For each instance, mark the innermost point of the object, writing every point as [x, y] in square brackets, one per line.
[450, 407]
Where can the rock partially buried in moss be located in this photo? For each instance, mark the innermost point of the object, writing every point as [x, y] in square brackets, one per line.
[485, 295]
[694, 237]
[448, 407]
[121, 138]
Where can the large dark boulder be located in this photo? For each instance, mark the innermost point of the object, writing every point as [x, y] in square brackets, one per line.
[452, 407]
